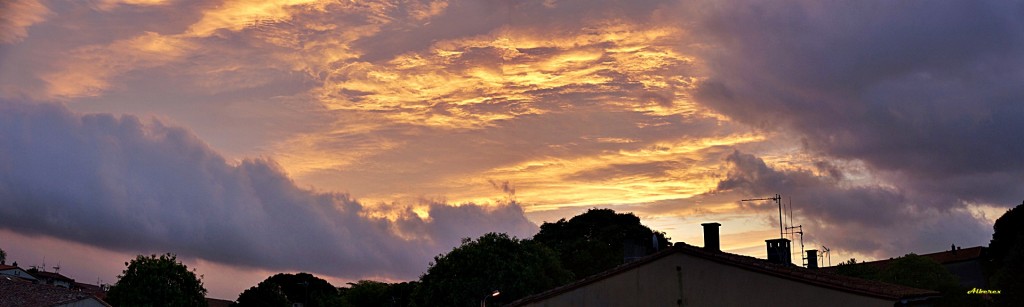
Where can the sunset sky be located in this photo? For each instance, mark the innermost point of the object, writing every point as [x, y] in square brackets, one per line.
[358, 139]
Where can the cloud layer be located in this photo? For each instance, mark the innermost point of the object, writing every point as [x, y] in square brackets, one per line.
[925, 94]
[121, 183]
[907, 113]
[877, 220]
[674, 110]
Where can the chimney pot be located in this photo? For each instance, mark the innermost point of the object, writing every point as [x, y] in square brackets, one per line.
[778, 251]
[812, 259]
[711, 241]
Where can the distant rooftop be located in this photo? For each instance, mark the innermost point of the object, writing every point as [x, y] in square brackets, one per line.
[18, 293]
[216, 302]
[943, 257]
[51, 275]
[958, 255]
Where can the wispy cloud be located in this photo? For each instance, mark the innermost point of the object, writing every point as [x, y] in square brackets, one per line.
[18, 16]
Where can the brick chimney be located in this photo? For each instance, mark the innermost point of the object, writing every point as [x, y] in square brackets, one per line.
[812, 259]
[711, 242]
[778, 251]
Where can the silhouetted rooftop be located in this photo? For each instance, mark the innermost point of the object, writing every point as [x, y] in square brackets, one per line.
[51, 275]
[19, 293]
[943, 257]
[791, 272]
[216, 302]
[951, 256]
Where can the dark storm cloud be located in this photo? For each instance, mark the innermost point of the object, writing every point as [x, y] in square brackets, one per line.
[926, 93]
[818, 196]
[120, 183]
[870, 219]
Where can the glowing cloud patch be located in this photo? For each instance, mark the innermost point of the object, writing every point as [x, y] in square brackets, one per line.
[472, 82]
[88, 69]
[17, 15]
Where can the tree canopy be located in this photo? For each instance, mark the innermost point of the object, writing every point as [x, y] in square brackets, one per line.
[285, 289]
[913, 271]
[157, 281]
[1007, 253]
[470, 272]
[918, 272]
[852, 269]
[1006, 232]
[367, 293]
[596, 241]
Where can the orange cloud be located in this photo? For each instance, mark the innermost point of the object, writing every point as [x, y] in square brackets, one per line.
[510, 72]
[87, 70]
[553, 183]
[107, 5]
[16, 16]
[240, 14]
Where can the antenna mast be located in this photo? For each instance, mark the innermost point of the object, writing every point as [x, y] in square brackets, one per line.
[793, 231]
[828, 253]
[778, 200]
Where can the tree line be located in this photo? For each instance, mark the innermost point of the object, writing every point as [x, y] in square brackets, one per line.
[495, 268]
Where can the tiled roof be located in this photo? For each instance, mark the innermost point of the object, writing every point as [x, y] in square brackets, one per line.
[811, 276]
[791, 272]
[51, 275]
[216, 302]
[95, 290]
[959, 255]
[18, 293]
[20, 274]
[944, 257]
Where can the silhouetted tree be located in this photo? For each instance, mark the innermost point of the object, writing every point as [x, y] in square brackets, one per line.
[913, 271]
[494, 261]
[366, 293]
[401, 294]
[1006, 233]
[1007, 253]
[284, 289]
[919, 272]
[157, 281]
[594, 241]
[3, 256]
[264, 294]
[853, 269]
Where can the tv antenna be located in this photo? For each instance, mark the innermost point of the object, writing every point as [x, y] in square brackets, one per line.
[826, 253]
[793, 231]
[778, 200]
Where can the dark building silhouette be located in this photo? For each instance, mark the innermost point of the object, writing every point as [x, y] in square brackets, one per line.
[812, 259]
[965, 263]
[779, 251]
[686, 275]
[711, 241]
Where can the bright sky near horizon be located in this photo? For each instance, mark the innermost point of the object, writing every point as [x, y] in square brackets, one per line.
[358, 139]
